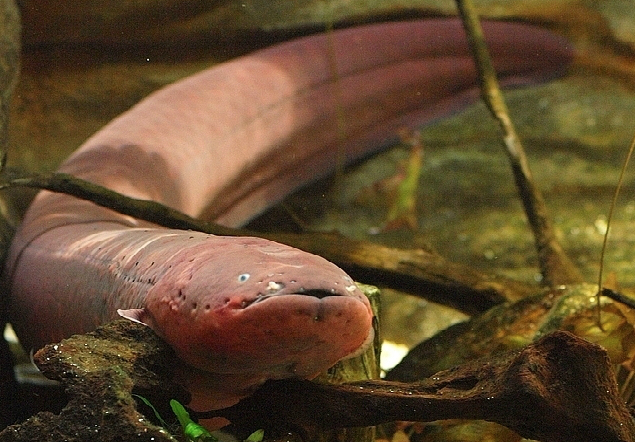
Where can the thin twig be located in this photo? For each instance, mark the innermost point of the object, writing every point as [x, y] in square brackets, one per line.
[146, 210]
[608, 227]
[555, 266]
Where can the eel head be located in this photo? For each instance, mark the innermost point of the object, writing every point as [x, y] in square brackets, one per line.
[244, 310]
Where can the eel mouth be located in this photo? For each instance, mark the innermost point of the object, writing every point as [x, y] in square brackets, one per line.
[315, 293]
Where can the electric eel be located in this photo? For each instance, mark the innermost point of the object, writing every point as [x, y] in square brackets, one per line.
[225, 144]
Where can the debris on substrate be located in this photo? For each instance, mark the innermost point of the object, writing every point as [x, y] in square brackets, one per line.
[561, 388]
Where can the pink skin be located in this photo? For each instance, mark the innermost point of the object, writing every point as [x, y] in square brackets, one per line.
[226, 144]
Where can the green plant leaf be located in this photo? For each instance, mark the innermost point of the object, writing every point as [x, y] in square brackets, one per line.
[192, 431]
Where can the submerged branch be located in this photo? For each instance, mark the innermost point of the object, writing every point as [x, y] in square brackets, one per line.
[146, 210]
[555, 265]
[415, 271]
[536, 392]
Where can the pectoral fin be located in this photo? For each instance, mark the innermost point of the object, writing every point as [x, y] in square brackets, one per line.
[138, 315]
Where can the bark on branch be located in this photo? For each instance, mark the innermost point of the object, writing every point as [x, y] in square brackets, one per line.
[555, 265]
[561, 388]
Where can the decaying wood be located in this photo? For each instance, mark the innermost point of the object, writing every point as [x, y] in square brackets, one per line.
[99, 371]
[561, 388]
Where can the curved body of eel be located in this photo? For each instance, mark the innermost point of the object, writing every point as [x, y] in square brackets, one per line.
[225, 144]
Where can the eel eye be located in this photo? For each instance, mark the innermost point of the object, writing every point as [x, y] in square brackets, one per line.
[243, 277]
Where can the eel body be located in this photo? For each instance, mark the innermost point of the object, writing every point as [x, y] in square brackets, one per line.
[225, 144]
